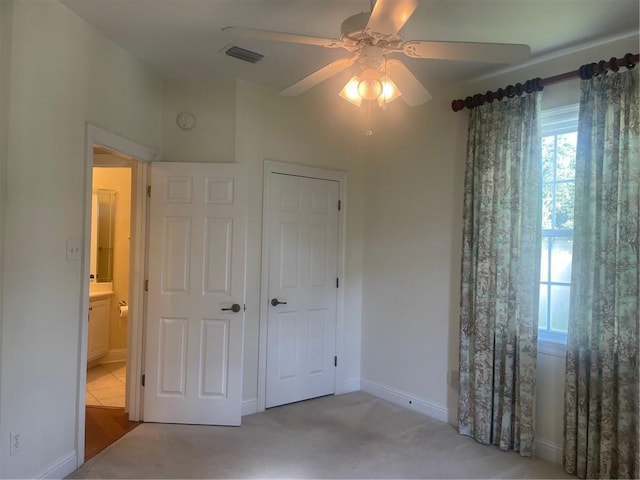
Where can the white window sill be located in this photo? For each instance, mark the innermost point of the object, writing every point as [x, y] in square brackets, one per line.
[554, 349]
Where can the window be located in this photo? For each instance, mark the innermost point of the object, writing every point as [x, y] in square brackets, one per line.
[559, 136]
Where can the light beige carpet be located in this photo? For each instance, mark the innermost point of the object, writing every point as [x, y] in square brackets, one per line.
[348, 436]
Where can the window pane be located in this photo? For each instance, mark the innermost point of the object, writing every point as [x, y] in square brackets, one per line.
[558, 163]
[564, 205]
[548, 154]
[542, 307]
[559, 308]
[544, 260]
[566, 160]
[547, 206]
[561, 249]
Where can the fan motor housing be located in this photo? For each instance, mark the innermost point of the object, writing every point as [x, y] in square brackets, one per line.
[354, 32]
[353, 28]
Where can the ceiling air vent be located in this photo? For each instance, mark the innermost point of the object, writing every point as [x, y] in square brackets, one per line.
[242, 54]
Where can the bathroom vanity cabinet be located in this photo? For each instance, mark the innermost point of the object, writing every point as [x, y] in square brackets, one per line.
[98, 328]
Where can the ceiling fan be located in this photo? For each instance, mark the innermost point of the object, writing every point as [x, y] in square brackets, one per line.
[371, 37]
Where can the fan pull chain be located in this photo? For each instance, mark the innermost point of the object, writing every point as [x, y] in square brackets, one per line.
[369, 132]
[386, 81]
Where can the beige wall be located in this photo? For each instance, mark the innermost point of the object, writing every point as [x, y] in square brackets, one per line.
[213, 137]
[413, 233]
[288, 130]
[246, 124]
[413, 219]
[63, 73]
[6, 23]
[119, 180]
[403, 219]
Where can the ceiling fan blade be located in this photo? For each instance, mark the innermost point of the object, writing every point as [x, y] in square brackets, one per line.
[242, 32]
[412, 90]
[318, 76]
[388, 16]
[503, 53]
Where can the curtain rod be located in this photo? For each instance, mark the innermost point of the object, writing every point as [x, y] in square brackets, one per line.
[585, 72]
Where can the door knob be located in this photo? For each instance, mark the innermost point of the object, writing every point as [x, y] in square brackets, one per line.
[275, 302]
[234, 308]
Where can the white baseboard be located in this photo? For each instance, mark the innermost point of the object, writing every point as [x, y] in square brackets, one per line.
[545, 449]
[61, 467]
[548, 450]
[112, 356]
[430, 409]
[348, 386]
[249, 407]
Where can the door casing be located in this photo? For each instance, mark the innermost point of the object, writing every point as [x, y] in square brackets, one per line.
[271, 167]
[140, 156]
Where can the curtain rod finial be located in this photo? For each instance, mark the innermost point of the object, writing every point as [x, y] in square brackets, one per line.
[457, 105]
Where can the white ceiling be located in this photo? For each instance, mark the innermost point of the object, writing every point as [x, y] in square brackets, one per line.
[183, 38]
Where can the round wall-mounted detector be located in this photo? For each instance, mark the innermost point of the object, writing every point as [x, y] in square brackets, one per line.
[186, 120]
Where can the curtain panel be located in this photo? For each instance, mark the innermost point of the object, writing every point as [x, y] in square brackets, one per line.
[601, 391]
[500, 272]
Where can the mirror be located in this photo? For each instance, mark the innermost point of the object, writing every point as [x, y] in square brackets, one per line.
[102, 220]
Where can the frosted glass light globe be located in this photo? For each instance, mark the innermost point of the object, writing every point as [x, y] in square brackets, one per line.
[370, 86]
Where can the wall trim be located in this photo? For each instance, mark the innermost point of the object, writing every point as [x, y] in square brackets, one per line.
[349, 386]
[404, 399]
[249, 407]
[555, 54]
[548, 450]
[115, 355]
[545, 449]
[137, 157]
[61, 467]
[553, 349]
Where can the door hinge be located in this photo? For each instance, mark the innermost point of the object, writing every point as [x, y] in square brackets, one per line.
[339, 204]
[335, 361]
[337, 282]
[143, 379]
[148, 191]
[146, 285]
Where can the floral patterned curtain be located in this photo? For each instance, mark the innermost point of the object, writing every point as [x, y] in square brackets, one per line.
[500, 268]
[601, 391]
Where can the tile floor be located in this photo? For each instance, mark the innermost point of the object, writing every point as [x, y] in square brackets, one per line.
[106, 385]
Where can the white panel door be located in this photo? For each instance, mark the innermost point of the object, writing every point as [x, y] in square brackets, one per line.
[303, 256]
[193, 367]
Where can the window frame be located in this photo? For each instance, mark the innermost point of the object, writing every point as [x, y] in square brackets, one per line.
[555, 121]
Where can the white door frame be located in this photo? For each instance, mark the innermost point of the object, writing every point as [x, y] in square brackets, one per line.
[310, 172]
[142, 155]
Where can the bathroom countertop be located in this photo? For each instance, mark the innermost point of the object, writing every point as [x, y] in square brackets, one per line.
[98, 290]
[99, 295]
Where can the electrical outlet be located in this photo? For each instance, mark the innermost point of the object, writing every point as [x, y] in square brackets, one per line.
[15, 445]
[454, 379]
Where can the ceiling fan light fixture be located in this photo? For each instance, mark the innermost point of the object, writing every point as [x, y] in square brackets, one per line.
[350, 91]
[370, 86]
[390, 92]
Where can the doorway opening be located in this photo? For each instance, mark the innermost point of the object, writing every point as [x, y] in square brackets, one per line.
[110, 398]
[109, 276]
